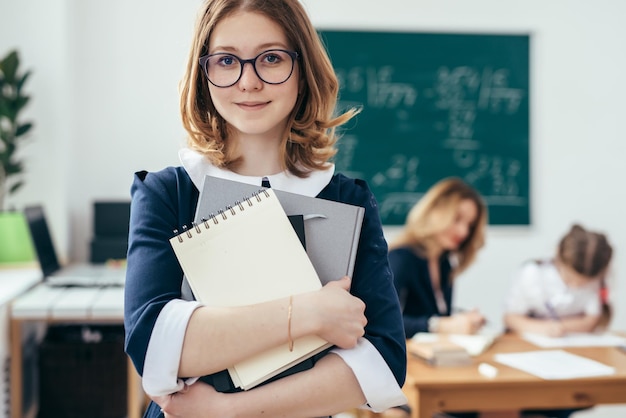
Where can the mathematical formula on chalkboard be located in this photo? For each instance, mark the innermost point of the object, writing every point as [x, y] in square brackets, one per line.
[433, 106]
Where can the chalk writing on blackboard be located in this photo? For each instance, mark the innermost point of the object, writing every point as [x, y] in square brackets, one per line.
[460, 111]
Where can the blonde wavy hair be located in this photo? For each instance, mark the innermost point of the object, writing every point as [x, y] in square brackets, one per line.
[309, 141]
[435, 212]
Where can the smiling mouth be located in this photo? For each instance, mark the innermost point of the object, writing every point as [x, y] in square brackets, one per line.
[255, 105]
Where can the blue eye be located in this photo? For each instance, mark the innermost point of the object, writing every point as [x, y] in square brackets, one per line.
[272, 57]
[226, 60]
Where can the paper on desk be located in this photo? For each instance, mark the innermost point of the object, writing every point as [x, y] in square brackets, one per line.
[554, 364]
[575, 340]
[473, 344]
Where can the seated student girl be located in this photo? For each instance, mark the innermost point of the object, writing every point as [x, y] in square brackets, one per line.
[562, 294]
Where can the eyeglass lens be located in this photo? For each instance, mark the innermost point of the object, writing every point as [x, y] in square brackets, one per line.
[273, 67]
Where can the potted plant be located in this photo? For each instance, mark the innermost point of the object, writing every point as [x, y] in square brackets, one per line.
[12, 130]
[15, 239]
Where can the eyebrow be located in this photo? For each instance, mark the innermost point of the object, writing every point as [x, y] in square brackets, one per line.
[260, 48]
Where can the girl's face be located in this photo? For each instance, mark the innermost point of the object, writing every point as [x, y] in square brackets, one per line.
[451, 238]
[252, 107]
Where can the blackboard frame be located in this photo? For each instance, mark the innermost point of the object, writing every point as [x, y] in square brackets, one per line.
[436, 105]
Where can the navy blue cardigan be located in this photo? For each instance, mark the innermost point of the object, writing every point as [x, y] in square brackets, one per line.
[166, 200]
[413, 284]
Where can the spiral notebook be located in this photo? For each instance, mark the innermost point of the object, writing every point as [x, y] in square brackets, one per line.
[332, 229]
[245, 255]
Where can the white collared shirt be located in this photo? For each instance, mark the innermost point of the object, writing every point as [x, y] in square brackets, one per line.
[538, 287]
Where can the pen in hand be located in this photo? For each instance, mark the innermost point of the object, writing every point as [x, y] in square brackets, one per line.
[555, 327]
[552, 312]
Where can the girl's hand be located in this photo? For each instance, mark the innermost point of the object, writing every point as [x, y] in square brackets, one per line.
[553, 328]
[339, 317]
[196, 400]
[469, 322]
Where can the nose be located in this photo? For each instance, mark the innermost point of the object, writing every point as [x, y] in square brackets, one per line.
[463, 231]
[249, 79]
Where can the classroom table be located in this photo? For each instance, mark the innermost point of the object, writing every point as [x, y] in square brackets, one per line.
[15, 279]
[67, 305]
[434, 389]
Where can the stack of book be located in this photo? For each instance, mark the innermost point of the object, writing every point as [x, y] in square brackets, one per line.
[450, 349]
[438, 351]
[245, 248]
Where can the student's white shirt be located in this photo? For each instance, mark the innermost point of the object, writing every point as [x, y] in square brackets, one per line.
[538, 284]
[160, 375]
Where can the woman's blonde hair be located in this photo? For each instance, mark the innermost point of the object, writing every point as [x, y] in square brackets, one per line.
[309, 141]
[435, 212]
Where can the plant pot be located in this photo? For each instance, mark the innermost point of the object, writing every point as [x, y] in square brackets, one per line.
[16, 245]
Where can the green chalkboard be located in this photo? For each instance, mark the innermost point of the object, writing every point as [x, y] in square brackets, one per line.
[435, 105]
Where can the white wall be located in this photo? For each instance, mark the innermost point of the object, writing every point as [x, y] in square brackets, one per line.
[105, 104]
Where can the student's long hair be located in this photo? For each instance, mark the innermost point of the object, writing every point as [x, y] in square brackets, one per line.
[435, 212]
[309, 141]
[586, 252]
[589, 253]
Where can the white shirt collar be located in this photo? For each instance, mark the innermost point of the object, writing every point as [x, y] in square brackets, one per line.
[197, 167]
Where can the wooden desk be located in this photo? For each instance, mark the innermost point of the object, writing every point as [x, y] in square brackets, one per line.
[15, 279]
[66, 305]
[431, 390]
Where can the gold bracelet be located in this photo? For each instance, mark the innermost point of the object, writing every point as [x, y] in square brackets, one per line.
[289, 339]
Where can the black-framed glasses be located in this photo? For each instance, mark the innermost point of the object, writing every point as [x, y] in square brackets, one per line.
[273, 66]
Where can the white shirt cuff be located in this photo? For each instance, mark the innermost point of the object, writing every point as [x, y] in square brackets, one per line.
[374, 376]
[160, 369]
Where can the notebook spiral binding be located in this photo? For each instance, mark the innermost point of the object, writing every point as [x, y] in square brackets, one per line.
[223, 214]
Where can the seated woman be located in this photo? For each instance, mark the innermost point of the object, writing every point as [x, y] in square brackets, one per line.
[441, 237]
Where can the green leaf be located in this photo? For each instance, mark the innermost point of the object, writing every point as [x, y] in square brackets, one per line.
[12, 102]
[14, 167]
[4, 107]
[10, 113]
[10, 148]
[15, 187]
[8, 66]
[19, 103]
[21, 82]
[22, 129]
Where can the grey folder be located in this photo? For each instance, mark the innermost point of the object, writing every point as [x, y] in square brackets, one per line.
[331, 229]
